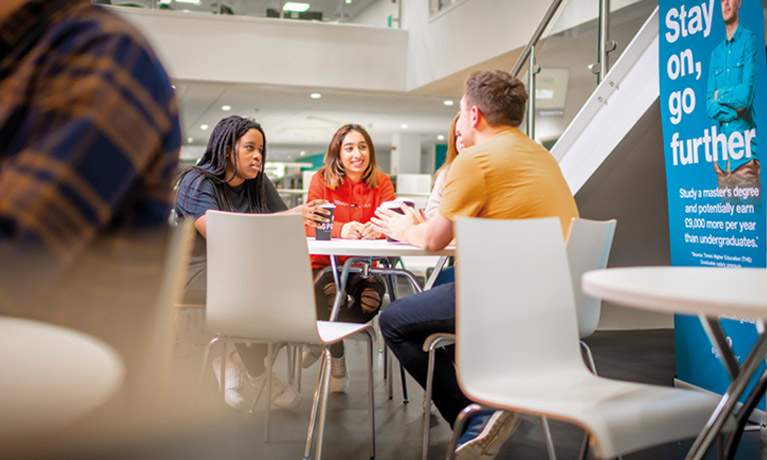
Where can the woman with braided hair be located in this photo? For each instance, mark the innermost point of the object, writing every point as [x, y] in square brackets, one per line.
[230, 177]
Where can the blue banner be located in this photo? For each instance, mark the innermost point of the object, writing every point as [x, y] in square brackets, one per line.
[713, 94]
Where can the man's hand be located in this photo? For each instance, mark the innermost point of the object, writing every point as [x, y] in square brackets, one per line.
[396, 225]
[352, 230]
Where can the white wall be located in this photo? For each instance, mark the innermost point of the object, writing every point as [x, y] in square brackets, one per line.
[377, 14]
[471, 32]
[204, 47]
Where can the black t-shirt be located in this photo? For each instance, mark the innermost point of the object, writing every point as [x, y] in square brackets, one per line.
[197, 194]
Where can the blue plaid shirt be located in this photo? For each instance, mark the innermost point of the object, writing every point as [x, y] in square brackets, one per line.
[89, 135]
[731, 75]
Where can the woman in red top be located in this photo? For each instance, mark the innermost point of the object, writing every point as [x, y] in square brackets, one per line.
[351, 181]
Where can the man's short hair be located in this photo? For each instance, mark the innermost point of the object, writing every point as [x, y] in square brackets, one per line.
[500, 97]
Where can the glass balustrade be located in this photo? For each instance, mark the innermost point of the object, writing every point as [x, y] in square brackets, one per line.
[382, 13]
[568, 53]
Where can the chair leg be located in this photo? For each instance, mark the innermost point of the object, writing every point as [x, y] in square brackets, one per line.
[206, 359]
[427, 404]
[371, 395]
[547, 437]
[589, 358]
[460, 421]
[393, 296]
[315, 404]
[585, 447]
[323, 405]
[403, 378]
[291, 368]
[269, 363]
[389, 380]
[298, 370]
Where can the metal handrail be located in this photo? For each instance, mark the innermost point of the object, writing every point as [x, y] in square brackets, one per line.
[536, 37]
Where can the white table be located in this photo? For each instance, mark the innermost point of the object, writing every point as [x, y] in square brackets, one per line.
[704, 291]
[360, 250]
[50, 376]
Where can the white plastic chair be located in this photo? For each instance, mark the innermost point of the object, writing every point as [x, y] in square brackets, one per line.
[519, 353]
[260, 290]
[588, 247]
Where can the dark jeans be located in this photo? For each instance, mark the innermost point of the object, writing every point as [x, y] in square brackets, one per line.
[195, 293]
[406, 323]
[351, 311]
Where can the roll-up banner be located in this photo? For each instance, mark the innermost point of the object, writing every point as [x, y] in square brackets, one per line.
[713, 92]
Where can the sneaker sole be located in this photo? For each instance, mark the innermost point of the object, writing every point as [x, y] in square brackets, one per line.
[484, 448]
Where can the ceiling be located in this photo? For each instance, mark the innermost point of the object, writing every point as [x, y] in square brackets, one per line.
[332, 10]
[295, 123]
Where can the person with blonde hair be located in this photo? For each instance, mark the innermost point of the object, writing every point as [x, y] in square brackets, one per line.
[454, 147]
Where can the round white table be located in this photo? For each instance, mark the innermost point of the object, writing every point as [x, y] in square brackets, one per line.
[704, 291]
[50, 376]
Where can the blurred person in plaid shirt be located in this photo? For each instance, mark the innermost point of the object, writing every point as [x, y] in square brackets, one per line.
[89, 143]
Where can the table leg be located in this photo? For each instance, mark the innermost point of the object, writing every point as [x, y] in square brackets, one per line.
[729, 399]
[435, 273]
[753, 399]
[340, 281]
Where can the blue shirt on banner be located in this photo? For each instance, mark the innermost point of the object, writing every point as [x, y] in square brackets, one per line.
[730, 91]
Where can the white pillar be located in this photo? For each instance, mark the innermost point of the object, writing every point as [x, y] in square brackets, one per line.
[406, 154]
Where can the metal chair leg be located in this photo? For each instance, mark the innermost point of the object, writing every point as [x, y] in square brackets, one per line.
[403, 378]
[267, 417]
[206, 359]
[371, 395]
[323, 405]
[589, 358]
[315, 404]
[585, 447]
[393, 296]
[427, 404]
[547, 437]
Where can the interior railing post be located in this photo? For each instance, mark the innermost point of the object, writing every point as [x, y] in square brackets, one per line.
[605, 45]
[534, 68]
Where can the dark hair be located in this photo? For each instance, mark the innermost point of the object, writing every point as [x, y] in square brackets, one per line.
[212, 165]
[452, 151]
[500, 97]
[334, 169]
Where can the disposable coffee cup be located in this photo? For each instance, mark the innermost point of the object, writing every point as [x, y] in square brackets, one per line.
[396, 206]
[325, 229]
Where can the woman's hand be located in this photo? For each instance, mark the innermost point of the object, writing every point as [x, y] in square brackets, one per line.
[352, 230]
[369, 232]
[313, 214]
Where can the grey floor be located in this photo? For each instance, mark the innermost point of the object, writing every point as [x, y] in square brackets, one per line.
[199, 426]
[644, 356]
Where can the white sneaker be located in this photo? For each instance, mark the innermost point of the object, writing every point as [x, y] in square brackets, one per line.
[339, 378]
[310, 355]
[284, 396]
[488, 442]
[233, 377]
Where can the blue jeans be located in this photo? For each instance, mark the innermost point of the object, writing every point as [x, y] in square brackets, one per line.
[406, 323]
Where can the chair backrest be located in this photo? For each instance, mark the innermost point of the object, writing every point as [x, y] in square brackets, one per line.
[514, 299]
[259, 277]
[588, 247]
